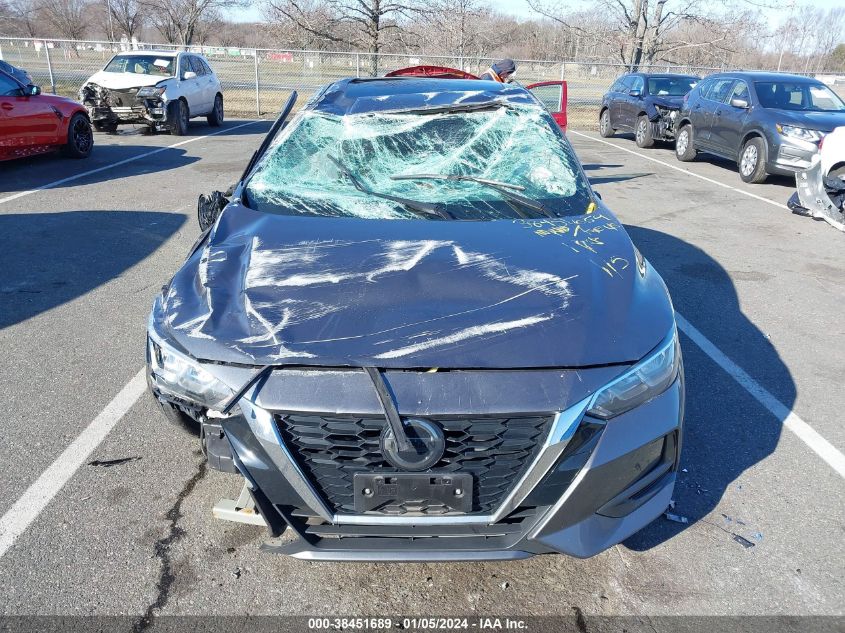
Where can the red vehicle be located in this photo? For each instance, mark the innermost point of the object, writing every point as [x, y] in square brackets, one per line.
[551, 94]
[33, 123]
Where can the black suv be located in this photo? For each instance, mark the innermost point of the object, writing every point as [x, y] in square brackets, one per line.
[769, 123]
[645, 104]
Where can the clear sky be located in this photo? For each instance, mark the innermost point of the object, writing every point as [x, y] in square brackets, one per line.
[520, 8]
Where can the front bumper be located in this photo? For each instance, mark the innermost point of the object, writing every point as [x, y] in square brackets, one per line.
[791, 156]
[131, 109]
[592, 485]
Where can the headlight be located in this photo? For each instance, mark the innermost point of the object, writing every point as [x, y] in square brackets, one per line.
[175, 374]
[800, 133]
[151, 92]
[647, 379]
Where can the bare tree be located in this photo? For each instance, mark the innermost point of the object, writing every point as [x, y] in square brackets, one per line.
[362, 24]
[128, 16]
[645, 31]
[68, 18]
[24, 15]
[180, 21]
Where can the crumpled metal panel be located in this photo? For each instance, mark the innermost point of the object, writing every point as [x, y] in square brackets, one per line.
[274, 289]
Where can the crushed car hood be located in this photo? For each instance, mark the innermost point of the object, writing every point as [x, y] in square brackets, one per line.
[668, 102]
[267, 289]
[122, 81]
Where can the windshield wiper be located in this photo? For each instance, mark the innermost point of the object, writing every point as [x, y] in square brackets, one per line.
[451, 108]
[502, 187]
[424, 209]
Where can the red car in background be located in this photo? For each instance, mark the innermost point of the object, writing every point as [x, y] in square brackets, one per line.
[33, 123]
[551, 94]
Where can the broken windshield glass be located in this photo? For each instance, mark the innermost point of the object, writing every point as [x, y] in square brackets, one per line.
[517, 144]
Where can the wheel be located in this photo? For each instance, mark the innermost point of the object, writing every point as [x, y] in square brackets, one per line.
[684, 149]
[644, 133]
[177, 115]
[752, 161]
[80, 137]
[604, 124]
[215, 118]
[105, 126]
[177, 418]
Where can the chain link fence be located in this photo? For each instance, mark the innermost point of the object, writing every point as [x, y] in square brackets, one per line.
[256, 82]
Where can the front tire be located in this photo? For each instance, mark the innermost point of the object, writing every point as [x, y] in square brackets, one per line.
[178, 117]
[752, 161]
[215, 118]
[604, 124]
[684, 148]
[644, 132]
[80, 137]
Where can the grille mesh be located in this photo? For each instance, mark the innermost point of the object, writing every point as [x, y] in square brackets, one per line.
[496, 451]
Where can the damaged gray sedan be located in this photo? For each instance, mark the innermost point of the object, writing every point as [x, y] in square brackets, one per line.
[417, 334]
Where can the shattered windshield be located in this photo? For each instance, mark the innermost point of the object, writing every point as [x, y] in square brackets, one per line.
[141, 65]
[329, 165]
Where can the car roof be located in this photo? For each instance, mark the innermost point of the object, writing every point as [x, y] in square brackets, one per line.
[355, 96]
[150, 53]
[669, 75]
[760, 75]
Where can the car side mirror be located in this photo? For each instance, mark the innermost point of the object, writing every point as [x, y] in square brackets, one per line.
[189, 74]
[739, 103]
[33, 91]
[636, 93]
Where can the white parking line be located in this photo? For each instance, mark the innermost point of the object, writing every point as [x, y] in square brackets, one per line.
[680, 169]
[56, 183]
[30, 504]
[807, 434]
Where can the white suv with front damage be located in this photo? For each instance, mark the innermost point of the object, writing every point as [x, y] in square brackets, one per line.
[162, 89]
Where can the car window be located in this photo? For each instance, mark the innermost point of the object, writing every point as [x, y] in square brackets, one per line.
[740, 91]
[720, 90]
[205, 66]
[9, 87]
[196, 64]
[550, 96]
[619, 84]
[670, 86]
[307, 170]
[637, 83]
[141, 65]
[798, 95]
[704, 87]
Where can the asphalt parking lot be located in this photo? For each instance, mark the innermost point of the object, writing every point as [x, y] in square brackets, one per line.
[87, 245]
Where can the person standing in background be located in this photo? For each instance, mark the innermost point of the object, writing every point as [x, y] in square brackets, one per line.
[502, 71]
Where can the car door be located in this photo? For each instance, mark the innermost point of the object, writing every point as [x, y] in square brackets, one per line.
[552, 94]
[619, 91]
[28, 120]
[205, 82]
[632, 104]
[190, 85]
[213, 83]
[715, 96]
[729, 120]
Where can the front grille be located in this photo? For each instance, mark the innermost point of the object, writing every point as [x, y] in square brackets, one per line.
[330, 449]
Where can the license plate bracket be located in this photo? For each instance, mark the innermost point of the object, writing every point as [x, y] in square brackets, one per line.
[373, 491]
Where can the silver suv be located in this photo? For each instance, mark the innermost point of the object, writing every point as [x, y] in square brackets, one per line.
[163, 89]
